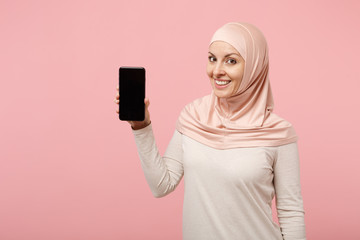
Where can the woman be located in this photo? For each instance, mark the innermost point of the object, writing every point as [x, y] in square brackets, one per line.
[235, 154]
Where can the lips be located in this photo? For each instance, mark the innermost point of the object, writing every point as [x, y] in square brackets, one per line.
[221, 83]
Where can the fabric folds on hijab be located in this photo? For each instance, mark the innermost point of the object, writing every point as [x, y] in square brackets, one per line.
[245, 119]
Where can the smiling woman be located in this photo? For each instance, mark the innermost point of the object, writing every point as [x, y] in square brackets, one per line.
[234, 153]
[225, 69]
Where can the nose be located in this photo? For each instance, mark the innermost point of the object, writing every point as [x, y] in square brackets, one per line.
[219, 70]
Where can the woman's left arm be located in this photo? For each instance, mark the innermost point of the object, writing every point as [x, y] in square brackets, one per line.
[289, 202]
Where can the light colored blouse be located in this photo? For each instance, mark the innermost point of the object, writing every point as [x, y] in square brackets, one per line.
[228, 193]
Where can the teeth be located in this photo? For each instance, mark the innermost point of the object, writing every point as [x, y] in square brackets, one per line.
[221, 82]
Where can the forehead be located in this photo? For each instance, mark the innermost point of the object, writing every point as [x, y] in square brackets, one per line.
[220, 47]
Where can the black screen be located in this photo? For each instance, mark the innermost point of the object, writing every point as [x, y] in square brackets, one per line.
[132, 93]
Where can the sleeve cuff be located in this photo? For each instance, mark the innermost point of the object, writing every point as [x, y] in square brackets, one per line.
[142, 131]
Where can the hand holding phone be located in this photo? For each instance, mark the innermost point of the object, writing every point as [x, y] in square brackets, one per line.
[132, 80]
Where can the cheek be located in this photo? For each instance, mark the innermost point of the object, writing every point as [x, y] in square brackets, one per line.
[239, 78]
[238, 75]
[208, 70]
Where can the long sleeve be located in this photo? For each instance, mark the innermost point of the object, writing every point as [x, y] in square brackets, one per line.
[289, 201]
[162, 174]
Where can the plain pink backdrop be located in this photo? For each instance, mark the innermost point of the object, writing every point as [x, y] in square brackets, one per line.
[69, 168]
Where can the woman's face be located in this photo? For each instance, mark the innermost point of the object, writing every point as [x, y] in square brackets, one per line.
[225, 69]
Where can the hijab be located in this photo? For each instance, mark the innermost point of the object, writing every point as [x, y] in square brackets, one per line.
[245, 119]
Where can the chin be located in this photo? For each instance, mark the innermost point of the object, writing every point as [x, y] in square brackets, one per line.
[221, 94]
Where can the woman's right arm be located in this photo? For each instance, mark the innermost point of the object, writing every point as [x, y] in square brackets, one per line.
[163, 174]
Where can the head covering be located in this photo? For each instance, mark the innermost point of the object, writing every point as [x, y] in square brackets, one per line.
[245, 119]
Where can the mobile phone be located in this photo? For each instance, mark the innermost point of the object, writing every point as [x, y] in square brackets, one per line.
[132, 93]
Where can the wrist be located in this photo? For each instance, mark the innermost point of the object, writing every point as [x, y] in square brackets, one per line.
[140, 126]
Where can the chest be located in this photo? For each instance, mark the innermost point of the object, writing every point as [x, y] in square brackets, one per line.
[239, 165]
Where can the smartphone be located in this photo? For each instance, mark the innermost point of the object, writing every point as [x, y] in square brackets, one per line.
[132, 93]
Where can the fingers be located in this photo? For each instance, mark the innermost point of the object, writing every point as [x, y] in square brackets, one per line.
[116, 100]
[147, 102]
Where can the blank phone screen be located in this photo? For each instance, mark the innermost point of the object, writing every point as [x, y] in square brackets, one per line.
[132, 93]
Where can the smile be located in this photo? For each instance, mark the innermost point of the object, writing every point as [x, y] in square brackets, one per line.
[221, 83]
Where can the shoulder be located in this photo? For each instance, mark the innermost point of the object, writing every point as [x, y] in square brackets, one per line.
[281, 129]
[275, 120]
[293, 146]
[192, 113]
[198, 103]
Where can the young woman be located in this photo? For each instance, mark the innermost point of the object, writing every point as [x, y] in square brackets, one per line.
[234, 152]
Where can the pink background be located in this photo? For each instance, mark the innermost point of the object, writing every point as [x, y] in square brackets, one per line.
[69, 168]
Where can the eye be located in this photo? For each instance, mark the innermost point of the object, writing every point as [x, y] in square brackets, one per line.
[211, 59]
[231, 61]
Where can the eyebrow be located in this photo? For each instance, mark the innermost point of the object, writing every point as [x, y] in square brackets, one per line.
[227, 55]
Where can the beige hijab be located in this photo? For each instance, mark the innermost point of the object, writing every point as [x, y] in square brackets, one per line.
[245, 119]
